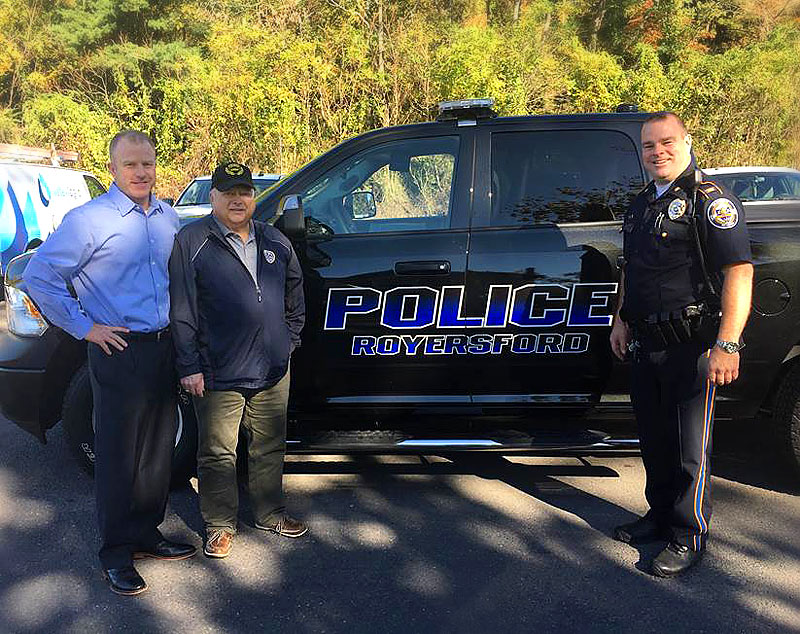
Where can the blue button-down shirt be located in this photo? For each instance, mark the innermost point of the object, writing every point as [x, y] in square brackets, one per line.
[115, 255]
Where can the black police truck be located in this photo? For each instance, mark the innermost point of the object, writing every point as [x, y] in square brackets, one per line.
[460, 279]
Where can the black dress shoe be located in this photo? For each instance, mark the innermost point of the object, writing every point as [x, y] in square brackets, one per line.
[675, 559]
[642, 531]
[125, 581]
[166, 549]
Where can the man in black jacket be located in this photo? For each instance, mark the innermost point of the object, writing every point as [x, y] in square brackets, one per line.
[237, 311]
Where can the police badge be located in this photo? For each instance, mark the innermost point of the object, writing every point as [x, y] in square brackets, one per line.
[676, 209]
[722, 213]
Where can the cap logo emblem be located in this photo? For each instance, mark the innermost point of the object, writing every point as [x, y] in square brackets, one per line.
[234, 169]
[269, 256]
[722, 213]
[676, 209]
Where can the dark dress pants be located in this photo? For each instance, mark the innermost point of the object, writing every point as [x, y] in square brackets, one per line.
[135, 401]
[674, 405]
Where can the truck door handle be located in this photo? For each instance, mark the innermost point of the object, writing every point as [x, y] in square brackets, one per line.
[423, 267]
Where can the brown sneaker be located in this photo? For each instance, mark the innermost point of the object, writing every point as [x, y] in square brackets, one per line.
[285, 525]
[218, 544]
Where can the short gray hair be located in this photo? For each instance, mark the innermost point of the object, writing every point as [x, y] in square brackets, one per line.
[130, 135]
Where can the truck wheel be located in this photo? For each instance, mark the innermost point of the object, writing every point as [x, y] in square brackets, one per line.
[787, 415]
[76, 415]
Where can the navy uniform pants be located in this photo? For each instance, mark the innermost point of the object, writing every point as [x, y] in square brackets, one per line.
[135, 404]
[674, 406]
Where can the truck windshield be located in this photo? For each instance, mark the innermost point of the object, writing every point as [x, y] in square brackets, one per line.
[198, 193]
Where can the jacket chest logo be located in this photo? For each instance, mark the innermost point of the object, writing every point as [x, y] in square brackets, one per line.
[269, 256]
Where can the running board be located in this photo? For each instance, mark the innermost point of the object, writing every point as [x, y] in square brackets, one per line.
[503, 442]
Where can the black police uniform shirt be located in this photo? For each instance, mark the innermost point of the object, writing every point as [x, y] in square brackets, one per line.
[663, 271]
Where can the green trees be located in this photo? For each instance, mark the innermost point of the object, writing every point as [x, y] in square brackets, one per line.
[276, 85]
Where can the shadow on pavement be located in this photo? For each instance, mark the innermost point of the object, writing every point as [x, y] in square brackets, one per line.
[396, 546]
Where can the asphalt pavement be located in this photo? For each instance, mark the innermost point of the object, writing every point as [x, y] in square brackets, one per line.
[413, 544]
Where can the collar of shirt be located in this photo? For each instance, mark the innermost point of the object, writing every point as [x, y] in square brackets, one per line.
[229, 232]
[126, 205]
[684, 180]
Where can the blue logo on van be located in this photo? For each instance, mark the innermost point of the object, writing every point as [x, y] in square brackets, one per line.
[44, 191]
[12, 222]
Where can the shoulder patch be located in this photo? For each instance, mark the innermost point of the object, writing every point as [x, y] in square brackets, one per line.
[710, 188]
[722, 213]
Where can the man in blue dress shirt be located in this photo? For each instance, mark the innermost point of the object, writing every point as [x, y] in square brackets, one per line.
[114, 251]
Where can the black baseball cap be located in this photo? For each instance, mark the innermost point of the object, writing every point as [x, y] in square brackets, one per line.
[230, 174]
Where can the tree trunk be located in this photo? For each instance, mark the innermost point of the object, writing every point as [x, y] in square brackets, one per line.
[597, 24]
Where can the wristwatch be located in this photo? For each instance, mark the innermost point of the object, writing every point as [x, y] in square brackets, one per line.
[731, 347]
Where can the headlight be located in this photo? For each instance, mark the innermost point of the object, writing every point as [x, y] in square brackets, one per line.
[24, 319]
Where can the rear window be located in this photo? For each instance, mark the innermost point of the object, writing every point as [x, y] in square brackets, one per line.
[198, 193]
[95, 187]
[562, 176]
[761, 186]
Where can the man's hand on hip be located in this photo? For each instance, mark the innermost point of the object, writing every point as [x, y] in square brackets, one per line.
[194, 384]
[104, 336]
[723, 367]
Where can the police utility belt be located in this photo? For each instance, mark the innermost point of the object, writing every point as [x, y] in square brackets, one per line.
[694, 323]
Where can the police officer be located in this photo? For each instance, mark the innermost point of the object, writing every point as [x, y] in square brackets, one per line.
[684, 301]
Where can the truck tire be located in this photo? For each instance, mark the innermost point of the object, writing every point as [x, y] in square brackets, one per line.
[787, 415]
[76, 415]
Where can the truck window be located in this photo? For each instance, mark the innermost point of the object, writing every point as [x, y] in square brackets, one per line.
[759, 186]
[562, 176]
[403, 185]
[95, 187]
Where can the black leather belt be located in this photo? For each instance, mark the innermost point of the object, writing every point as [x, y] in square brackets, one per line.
[155, 335]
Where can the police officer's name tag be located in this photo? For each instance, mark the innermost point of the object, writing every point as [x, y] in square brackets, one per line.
[676, 209]
[269, 256]
[722, 213]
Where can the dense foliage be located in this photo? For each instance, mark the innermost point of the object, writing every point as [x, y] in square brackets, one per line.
[276, 83]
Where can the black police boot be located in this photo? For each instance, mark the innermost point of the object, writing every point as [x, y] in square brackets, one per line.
[675, 559]
[642, 531]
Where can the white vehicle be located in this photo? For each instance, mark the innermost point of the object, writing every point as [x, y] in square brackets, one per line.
[767, 193]
[195, 200]
[33, 200]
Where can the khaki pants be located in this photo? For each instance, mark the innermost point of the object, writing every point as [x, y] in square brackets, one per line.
[262, 413]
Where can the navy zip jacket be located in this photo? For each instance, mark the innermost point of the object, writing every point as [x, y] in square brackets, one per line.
[235, 331]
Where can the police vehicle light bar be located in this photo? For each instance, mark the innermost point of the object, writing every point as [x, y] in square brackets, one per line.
[466, 109]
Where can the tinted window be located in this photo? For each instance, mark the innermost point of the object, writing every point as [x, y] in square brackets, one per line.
[399, 186]
[95, 187]
[199, 191]
[562, 176]
[761, 186]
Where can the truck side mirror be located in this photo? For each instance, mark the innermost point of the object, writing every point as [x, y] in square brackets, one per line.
[360, 205]
[291, 220]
